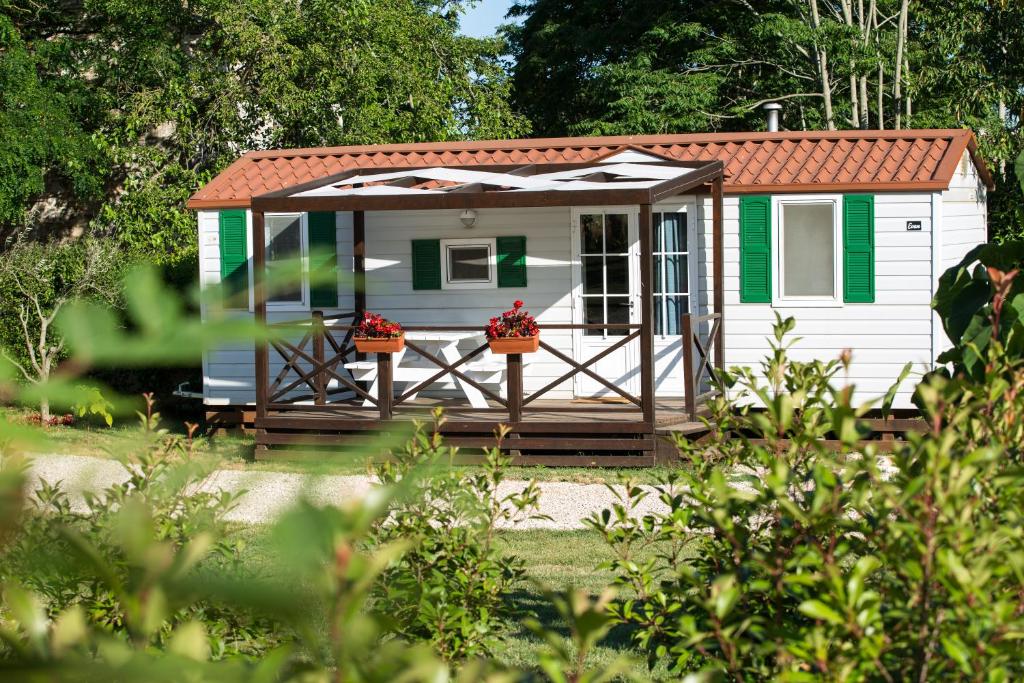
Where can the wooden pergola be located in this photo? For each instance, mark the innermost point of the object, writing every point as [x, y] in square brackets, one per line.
[531, 186]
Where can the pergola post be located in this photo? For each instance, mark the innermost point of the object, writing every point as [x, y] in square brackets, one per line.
[259, 271]
[646, 227]
[718, 268]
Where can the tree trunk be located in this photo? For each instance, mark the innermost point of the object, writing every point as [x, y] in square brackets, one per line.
[881, 96]
[910, 109]
[44, 412]
[901, 42]
[865, 110]
[854, 101]
[826, 87]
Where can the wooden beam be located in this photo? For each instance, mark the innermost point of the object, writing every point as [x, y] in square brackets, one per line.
[697, 178]
[647, 382]
[455, 200]
[718, 267]
[261, 355]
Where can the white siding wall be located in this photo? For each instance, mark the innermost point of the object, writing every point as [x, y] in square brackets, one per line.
[389, 290]
[964, 214]
[228, 376]
[894, 330]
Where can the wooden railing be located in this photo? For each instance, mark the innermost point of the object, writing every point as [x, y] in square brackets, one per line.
[322, 369]
[323, 332]
[699, 366]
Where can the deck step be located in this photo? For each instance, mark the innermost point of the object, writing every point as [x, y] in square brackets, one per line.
[539, 443]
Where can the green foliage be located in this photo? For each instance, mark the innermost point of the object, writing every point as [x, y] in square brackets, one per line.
[41, 141]
[589, 622]
[94, 404]
[163, 95]
[974, 319]
[37, 282]
[451, 586]
[628, 67]
[805, 562]
[116, 562]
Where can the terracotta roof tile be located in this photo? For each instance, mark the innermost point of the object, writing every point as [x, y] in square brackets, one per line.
[789, 161]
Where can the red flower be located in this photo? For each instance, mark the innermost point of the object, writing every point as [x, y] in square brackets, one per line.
[376, 326]
[513, 323]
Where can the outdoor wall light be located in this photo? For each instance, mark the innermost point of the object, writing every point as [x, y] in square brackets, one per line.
[468, 218]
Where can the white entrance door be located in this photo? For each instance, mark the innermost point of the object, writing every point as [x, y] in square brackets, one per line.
[606, 291]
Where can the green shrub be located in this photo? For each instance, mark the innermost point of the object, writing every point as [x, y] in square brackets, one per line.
[786, 559]
[451, 586]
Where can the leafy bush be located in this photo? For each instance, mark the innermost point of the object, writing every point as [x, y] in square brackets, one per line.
[37, 281]
[783, 558]
[94, 404]
[450, 588]
[114, 558]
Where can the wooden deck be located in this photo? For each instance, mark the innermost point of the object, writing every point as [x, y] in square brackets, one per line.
[551, 432]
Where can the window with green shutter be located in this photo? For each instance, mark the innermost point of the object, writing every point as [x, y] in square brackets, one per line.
[755, 249]
[426, 264]
[511, 261]
[859, 248]
[234, 258]
[323, 259]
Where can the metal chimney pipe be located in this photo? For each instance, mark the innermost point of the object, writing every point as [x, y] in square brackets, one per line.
[772, 110]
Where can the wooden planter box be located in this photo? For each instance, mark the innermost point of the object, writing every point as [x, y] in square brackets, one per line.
[389, 345]
[508, 345]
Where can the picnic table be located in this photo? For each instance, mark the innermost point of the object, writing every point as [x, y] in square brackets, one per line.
[411, 369]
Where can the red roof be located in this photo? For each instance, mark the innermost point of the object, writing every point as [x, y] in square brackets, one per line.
[849, 160]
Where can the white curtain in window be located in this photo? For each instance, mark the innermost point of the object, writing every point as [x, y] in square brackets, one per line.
[808, 250]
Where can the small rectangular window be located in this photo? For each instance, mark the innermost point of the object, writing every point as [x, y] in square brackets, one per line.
[469, 263]
[808, 251]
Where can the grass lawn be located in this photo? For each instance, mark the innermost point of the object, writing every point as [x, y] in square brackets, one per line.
[555, 559]
[236, 452]
[559, 560]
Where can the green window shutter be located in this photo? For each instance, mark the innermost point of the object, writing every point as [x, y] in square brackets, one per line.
[234, 259]
[756, 249]
[511, 261]
[859, 248]
[426, 264]
[323, 260]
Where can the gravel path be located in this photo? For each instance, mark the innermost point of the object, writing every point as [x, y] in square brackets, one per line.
[268, 494]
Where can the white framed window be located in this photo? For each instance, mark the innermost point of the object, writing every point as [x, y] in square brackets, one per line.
[470, 263]
[287, 245]
[808, 248]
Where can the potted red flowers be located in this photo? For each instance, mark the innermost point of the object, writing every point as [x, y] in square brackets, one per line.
[513, 331]
[377, 334]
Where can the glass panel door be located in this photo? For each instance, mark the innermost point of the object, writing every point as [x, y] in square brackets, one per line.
[675, 247]
[606, 243]
[605, 250]
[671, 272]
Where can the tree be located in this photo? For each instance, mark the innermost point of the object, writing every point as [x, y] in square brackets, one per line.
[170, 93]
[36, 282]
[42, 147]
[657, 66]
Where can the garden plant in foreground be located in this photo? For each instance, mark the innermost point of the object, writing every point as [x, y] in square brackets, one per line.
[775, 557]
[783, 558]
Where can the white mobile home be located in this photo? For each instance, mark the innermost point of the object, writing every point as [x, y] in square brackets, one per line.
[616, 244]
